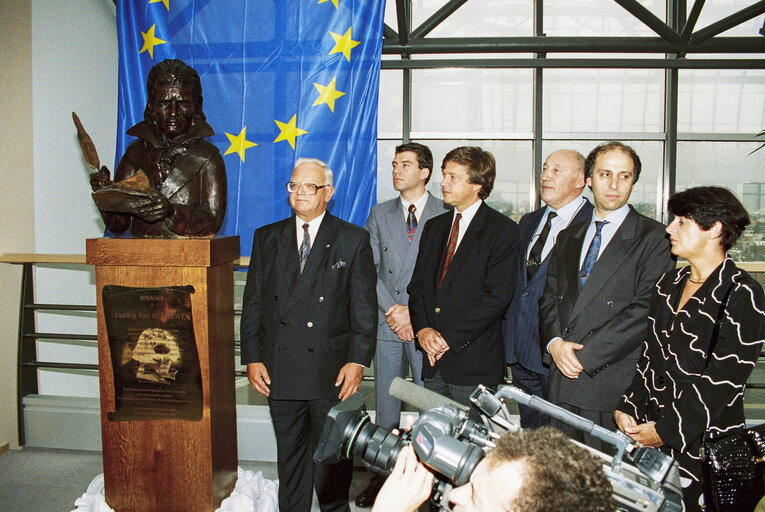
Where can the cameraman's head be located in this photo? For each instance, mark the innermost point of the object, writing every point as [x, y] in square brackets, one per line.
[535, 471]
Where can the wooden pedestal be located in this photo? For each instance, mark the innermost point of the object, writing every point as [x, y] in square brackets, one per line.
[173, 465]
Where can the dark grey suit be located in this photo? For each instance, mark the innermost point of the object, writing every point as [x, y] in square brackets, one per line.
[304, 327]
[394, 258]
[608, 316]
[521, 324]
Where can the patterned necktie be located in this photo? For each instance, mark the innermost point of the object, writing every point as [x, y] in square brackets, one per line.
[411, 222]
[450, 248]
[305, 247]
[592, 254]
[535, 256]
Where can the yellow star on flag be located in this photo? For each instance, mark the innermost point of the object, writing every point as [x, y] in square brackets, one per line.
[320, 1]
[289, 131]
[239, 143]
[344, 43]
[166, 2]
[149, 41]
[327, 94]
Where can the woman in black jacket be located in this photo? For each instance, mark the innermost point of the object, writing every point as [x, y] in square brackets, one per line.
[706, 326]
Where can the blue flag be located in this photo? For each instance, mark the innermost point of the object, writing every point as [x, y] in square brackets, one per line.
[281, 79]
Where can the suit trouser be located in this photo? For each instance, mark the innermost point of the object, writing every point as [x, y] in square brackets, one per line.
[534, 384]
[298, 425]
[391, 359]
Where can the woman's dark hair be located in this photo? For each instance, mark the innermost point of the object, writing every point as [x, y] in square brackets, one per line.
[707, 205]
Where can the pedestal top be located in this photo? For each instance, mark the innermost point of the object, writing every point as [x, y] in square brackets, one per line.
[162, 252]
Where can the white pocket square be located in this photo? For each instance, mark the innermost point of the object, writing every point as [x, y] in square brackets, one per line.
[340, 264]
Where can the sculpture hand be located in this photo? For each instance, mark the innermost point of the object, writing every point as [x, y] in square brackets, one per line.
[100, 179]
[157, 208]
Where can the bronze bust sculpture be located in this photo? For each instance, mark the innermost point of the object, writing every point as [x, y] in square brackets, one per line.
[185, 194]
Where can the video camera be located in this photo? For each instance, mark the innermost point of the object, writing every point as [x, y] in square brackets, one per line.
[451, 444]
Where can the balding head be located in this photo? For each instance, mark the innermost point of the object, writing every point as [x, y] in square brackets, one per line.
[562, 178]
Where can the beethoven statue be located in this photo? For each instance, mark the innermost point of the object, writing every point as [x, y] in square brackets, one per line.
[183, 191]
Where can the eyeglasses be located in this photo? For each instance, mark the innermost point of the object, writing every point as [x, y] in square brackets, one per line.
[307, 188]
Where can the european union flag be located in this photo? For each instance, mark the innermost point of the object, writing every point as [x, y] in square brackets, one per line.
[281, 80]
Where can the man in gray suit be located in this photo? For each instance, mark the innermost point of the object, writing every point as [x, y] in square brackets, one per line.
[395, 230]
[593, 312]
[560, 187]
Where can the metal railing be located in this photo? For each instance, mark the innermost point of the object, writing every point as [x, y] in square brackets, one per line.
[28, 364]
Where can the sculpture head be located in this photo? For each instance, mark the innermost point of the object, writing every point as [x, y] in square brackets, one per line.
[158, 356]
[174, 98]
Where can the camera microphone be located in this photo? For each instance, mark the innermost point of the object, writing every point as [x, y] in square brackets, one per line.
[418, 396]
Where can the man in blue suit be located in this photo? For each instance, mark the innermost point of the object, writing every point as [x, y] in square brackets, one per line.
[395, 229]
[560, 187]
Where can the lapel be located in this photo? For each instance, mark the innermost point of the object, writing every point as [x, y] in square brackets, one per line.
[610, 261]
[527, 233]
[316, 259]
[465, 248]
[185, 167]
[432, 208]
[396, 227]
[287, 254]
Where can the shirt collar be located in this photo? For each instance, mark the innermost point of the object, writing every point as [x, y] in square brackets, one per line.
[566, 213]
[616, 217]
[469, 212]
[419, 204]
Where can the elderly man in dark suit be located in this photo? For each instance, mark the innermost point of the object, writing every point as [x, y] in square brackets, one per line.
[307, 331]
[393, 230]
[599, 281]
[560, 187]
[463, 280]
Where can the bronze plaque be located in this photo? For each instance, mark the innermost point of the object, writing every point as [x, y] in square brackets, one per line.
[153, 352]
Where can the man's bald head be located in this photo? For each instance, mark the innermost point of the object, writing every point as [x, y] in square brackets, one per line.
[562, 178]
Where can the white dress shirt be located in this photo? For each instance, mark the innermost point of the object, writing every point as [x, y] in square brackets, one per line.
[558, 224]
[607, 232]
[467, 217]
[419, 206]
[313, 228]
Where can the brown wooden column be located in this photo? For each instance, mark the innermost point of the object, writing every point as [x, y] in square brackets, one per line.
[171, 464]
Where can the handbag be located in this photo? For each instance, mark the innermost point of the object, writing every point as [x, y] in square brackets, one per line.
[733, 470]
[733, 465]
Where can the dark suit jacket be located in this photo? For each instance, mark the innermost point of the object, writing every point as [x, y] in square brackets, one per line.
[468, 308]
[609, 316]
[521, 326]
[305, 326]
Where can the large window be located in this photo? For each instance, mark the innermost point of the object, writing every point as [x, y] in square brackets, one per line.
[692, 118]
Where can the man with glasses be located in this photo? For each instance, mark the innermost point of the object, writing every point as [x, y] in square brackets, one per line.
[308, 330]
[560, 187]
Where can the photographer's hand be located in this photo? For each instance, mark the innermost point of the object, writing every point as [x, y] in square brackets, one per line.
[407, 487]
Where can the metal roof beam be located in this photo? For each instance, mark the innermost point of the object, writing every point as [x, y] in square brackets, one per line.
[437, 17]
[693, 17]
[728, 22]
[553, 44]
[403, 18]
[389, 33]
[650, 20]
[588, 63]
